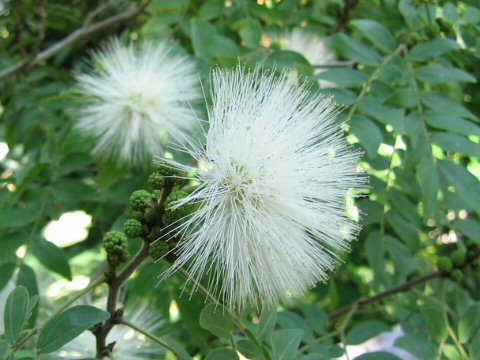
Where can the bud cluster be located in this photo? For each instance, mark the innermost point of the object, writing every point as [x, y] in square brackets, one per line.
[115, 244]
[460, 261]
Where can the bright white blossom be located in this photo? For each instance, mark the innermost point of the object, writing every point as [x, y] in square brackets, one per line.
[274, 177]
[311, 46]
[132, 95]
[129, 345]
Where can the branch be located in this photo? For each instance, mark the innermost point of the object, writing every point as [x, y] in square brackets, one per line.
[346, 14]
[392, 291]
[72, 38]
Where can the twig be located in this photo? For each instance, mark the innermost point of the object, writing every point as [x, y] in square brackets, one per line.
[392, 291]
[70, 39]
[346, 15]
[368, 83]
[337, 64]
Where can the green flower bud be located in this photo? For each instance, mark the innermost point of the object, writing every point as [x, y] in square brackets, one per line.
[133, 228]
[457, 275]
[458, 257]
[432, 30]
[444, 264]
[159, 249]
[140, 200]
[156, 181]
[173, 214]
[115, 244]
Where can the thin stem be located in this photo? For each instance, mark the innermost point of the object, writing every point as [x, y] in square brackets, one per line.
[149, 335]
[368, 83]
[78, 34]
[380, 296]
[349, 64]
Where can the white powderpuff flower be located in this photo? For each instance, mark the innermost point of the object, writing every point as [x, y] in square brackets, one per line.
[129, 345]
[133, 94]
[275, 172]
[311, 47]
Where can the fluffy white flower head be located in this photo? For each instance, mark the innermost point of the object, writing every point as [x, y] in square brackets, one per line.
[132, 95]
[129, 345]
[311, 46]
[276, 171]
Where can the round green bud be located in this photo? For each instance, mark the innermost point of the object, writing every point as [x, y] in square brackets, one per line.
[413, 39]
[140, 200]
[432, 29]
[457, 275]
[115, 244]
[156, 181]
[458, 257]
[174, 214]
[159, 249]
[133, 228]
[444, 264]
[150, 215]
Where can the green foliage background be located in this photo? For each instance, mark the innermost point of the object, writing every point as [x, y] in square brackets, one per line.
[412, 103]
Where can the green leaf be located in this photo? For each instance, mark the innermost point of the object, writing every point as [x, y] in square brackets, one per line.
[409, 13]
[469, 322]
[286, 59]
[4, 347]
[344, 77]
[73, 190]
[469, 227]
[368, 133]
[52, 257]
[27, 278]
[365, 330]
[291, 320]
[250, 31]
[67, 326]
[433, 48]
[440, 103]
[436, 321]
[285, 343]
[217, 320]
[353, 50]
[378, 355]
[376, 252]
[222, 354]
[394, 117]
[378, 34]
[428, 180]
[16, 313]
[457, 143]
[418, 346]
[316, 317]
[17, 217]
[466, 185]
[268, 320]
[404, 228]
[207, 43]
[248, 349]
[179, 348]
[211, 9]
[404, 261]
[448, 121]
[437, 74]
[6, 272]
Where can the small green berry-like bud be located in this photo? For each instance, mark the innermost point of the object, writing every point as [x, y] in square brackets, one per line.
[140, 200]
[115, 244]
[156, 181]
[159, 249]
[133, 228]
[458, 257]
[174, 197]
[444, 264]
[173, 215]
[457, 275]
